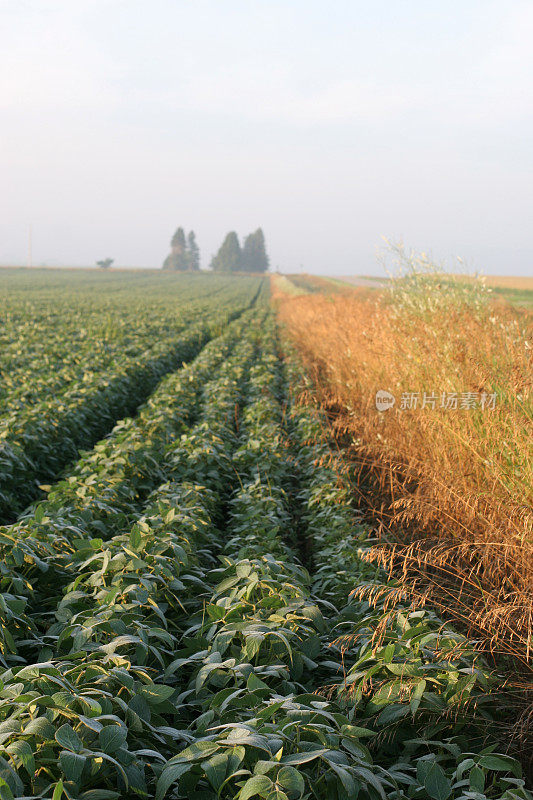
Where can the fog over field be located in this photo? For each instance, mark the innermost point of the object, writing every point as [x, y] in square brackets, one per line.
[328, 124]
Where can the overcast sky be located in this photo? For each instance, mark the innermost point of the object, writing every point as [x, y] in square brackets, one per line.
[330, 124]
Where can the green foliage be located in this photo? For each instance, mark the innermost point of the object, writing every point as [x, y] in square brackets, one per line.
[160, 636]
[193, 252]
[178, 240]
[251, 258]
[254, 256]
[89, 355]
[185, 253]
[228, 258]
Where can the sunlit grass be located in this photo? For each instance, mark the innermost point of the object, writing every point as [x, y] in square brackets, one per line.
[457, 483]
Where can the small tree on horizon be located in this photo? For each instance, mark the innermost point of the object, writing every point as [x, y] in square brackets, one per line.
[254, 255]
[105, 263]
[229, 256]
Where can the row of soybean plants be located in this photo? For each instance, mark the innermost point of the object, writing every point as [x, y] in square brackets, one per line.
[39, 439]
[57, 333]
[279, 708]
[104, 491]
[105, 577]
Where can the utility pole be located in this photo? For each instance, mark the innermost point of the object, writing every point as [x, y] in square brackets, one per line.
[30, 254]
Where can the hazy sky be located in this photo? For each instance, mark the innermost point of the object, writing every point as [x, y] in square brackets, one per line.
[330, 124]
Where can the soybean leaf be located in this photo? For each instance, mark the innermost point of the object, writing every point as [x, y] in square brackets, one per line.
[291, 780]
[433, 778]
[501, 764]
[72, 765]
[170, 774]
[67, 737]
[112, 737]
[256, 785]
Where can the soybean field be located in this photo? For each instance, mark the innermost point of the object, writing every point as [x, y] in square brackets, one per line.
[186, 607]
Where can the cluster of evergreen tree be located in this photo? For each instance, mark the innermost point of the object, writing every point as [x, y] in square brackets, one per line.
[251, 257]
[184, 254]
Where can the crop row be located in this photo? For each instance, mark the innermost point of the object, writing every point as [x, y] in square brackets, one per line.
[52, 338]
[37, 441]
[105, 491]
[85, 716]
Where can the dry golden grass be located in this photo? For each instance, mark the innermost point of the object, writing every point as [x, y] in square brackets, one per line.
[281, 286]
[314, 283]
[506, 281]
[451, 490]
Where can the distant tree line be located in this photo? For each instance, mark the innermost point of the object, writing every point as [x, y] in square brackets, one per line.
[251, 257]
[184, 253]
[231, 257]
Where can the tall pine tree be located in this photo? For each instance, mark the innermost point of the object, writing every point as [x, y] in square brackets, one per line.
[228, 258]
[179, 257]
[178, 242]
[193, 252]
[254, 255]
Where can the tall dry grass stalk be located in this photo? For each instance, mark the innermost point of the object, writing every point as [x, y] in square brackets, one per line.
[451, 490]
